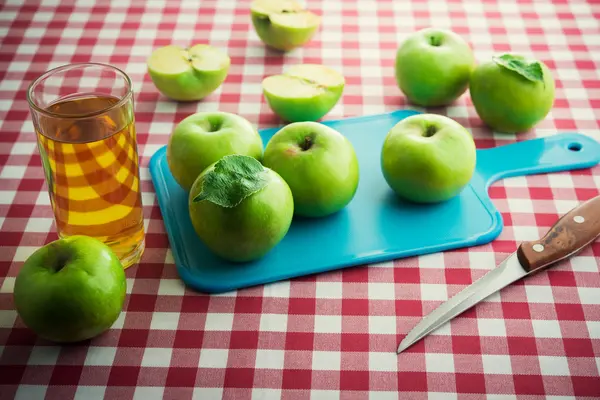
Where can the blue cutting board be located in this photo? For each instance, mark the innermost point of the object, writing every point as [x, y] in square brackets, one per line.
[375, 226]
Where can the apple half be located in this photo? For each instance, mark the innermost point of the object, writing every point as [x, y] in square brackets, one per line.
[283, 24]
[306, 92]
[188, 74]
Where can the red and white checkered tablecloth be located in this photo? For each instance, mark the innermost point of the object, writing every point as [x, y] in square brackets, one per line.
[333, 335]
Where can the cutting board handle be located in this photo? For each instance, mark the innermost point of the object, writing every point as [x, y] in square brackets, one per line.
[559, 152]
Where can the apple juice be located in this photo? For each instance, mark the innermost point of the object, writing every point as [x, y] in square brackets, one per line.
[89, 152]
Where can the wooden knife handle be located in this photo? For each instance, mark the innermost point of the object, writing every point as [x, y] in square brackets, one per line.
[571, 233]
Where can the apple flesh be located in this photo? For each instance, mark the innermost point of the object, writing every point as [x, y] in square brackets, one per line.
[433, 67]
[70, 290]
[188, 74]
[318, 163]
[283, 24]
[507, 101]
[428, 158]
[250, 229]
[203, 138]
[306, 92]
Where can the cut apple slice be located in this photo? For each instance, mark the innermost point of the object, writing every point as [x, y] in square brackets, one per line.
[319, 74]
[188, 73]
[306, 92]
[176, 60]
[283, 24]
[290, 87]
[296, 20]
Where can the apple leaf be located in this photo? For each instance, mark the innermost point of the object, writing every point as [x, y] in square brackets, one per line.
[233, 178]
[529, 70]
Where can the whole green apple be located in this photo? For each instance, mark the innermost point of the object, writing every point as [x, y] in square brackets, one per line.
[318, 163]
[188, 74]
[201, 139]
[512, 94]
[433, 67]
[240, 209]
[305, 92]
[283, 24]
[428, 158]
[71, 289]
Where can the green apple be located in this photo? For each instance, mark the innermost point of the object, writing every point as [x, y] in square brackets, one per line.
[240, 209]
[201, 139]
[71, 289]
[318, 163]
[188, 74]
[512, 94]
[433, 67]
[305, 92]
[428, 158]
[283, 24]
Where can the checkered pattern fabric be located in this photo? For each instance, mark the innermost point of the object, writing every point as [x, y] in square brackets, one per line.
[333, 335]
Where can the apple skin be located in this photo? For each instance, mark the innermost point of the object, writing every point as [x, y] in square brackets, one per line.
[193, 84]
[203, 138]
[433, 75]
[76, 302]
[506, 101]
[248, 231]
[324, 178]
[425, 169]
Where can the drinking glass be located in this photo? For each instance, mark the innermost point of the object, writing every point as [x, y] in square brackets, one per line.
[83, 115]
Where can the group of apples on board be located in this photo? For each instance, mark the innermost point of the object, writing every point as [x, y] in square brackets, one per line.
[242, 198]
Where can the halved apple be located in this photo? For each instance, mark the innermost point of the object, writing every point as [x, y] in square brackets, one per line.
[283, 24]
[306, 92]
[188, 74]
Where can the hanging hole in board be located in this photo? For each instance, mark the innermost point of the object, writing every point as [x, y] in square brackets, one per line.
[574, 146]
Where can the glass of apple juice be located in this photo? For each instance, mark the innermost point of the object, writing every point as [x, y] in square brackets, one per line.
[83, 115]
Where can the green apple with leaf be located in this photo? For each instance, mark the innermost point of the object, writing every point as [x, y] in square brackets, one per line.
[428, 158]
[283, 24]
[201, 139]
[305, 92]
[512, 94]
[240, 209]
[318, 163]
[71, 289]
[433, 67]
[188, 74]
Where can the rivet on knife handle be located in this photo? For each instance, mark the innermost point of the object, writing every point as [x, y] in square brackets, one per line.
[571, 233]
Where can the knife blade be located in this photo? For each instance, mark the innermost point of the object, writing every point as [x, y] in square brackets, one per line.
[571, 233]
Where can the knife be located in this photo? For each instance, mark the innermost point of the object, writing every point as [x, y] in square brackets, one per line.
[571, 233]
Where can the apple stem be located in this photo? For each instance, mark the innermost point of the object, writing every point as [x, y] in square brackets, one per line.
[435, 41]
[60, 260]
[307, 144]
[430, 131]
